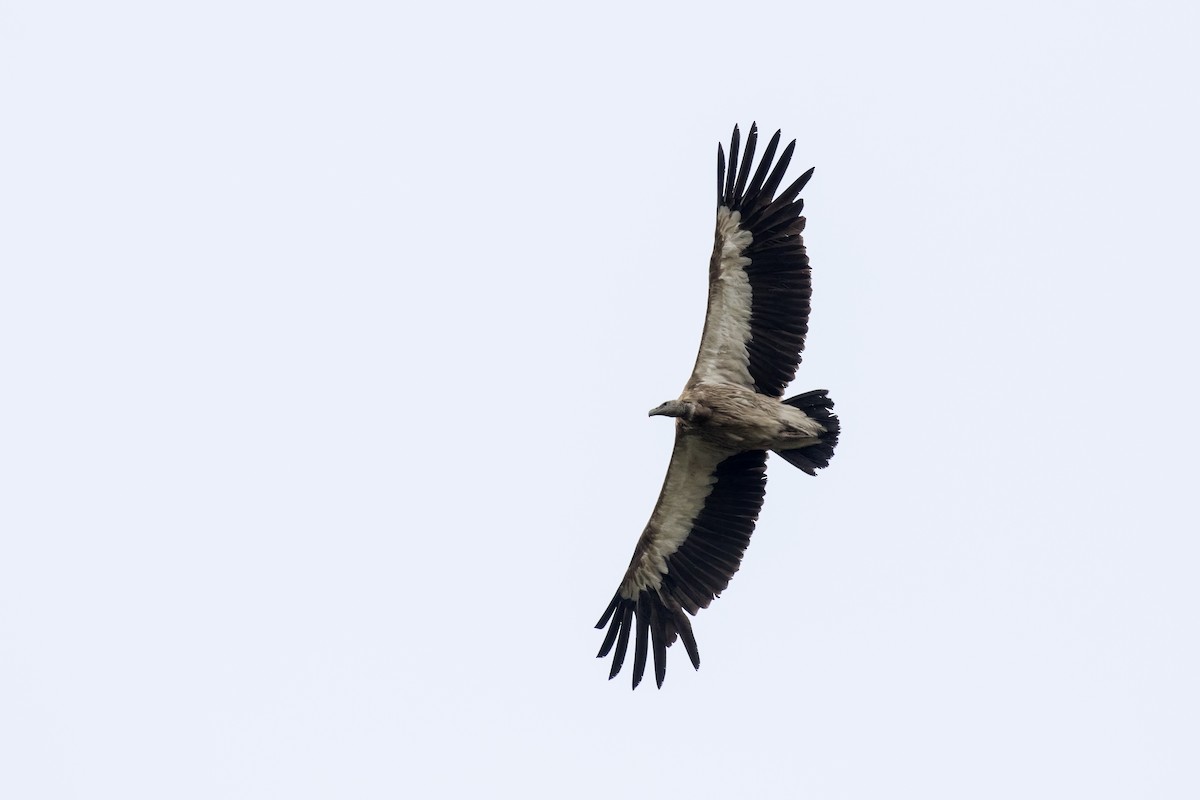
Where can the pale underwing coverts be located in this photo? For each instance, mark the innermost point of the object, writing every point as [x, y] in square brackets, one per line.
[729, 415]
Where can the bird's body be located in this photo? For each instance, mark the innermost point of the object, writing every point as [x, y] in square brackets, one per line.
[735, 418]
[729, 415]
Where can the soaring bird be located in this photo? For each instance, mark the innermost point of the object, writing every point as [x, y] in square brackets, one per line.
[729, 415]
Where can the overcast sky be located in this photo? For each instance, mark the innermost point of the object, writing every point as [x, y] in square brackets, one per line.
[328, 332]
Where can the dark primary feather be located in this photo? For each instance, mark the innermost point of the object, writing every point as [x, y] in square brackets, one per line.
[733, 158]
[720, 173]
[744, 172]
[756, 184]
[780, 280]
[696, 573]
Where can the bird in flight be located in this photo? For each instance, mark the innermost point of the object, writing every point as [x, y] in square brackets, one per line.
[730, 414]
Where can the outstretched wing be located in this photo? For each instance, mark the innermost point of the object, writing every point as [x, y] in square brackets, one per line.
[759, 283]
[690, 549]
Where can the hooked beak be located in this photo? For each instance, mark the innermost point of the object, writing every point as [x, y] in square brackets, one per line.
[667, 409]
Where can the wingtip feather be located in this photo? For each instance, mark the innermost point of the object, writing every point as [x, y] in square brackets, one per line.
[622, 641]
[720, 174]
[731, 176]
[642, 640]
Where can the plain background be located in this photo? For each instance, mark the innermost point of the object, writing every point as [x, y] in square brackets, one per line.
[328, 332]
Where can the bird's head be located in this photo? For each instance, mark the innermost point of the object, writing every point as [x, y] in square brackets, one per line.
[674, 408]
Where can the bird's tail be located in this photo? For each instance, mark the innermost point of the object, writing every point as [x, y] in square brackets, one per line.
[810, 458]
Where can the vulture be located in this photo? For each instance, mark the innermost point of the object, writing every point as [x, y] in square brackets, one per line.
[730, 414]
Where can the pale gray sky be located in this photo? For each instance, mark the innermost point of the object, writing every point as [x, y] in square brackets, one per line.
[328, 333]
